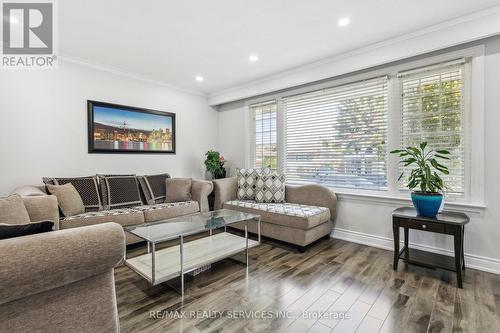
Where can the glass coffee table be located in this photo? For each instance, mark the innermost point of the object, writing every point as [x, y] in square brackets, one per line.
[158, 266]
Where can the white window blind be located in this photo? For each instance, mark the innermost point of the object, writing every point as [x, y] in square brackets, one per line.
[337, 136]
[264, 136]
[433, 111]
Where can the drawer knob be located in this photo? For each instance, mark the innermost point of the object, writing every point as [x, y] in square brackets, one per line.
[424, 226]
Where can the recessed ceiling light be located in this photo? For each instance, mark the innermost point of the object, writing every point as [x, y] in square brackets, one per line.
[344, 22]
[199, 78]
[253, 58]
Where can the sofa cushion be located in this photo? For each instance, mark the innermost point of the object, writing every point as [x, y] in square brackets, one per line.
[287, 214]
[87, 188]
[13, 211]
[270, 188]
[247, 182]
[153, 187]
[123, 216]
[69, 200]
[119, 191]
[167, 210]
[178, 189]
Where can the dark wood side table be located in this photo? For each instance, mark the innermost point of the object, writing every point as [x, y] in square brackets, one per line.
[448, 223]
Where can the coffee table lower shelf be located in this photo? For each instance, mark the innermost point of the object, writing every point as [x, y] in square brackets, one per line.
[197, 253]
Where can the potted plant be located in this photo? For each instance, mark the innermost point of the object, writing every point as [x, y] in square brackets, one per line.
[424, 177]
[214, 163]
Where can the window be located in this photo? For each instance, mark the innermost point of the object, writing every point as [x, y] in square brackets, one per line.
[432, 110]
[264, 137]
[338, 136]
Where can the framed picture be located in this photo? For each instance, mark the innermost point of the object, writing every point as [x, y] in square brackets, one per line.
[123, 129]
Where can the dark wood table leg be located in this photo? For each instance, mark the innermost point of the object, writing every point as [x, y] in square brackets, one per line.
[407, 238]
[463, 254]
[457, 237]
[395, 231]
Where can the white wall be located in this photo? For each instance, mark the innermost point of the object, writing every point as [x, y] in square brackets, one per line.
[232, 134]
[43, 125]
[368, 221]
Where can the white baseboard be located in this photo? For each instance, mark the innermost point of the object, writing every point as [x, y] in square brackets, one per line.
[486, 264]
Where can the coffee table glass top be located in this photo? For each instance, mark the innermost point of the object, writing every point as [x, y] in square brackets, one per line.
[164, 230]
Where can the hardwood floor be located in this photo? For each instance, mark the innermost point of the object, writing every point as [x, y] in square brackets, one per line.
[286, 291]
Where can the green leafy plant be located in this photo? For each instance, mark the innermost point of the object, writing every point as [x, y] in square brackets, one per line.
[214, 163]
[425, 173]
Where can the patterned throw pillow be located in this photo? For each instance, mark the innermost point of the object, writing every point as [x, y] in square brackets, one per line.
[119, 191]
[153, 187]
[247, 182]
[270, 188]
[85, 186]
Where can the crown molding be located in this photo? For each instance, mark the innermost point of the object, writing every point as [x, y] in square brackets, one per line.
[124, 73]
[468, 28]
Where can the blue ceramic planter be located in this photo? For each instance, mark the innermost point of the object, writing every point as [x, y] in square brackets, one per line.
[426, 204]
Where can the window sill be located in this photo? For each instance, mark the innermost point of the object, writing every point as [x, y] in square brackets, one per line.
[392, 200]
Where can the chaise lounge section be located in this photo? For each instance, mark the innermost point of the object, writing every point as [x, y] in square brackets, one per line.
[306, 215]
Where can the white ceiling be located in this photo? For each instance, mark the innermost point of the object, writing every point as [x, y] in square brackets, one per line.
[173, 41]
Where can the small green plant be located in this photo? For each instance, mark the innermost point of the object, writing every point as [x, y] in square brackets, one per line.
[425, 173]
[214, 163]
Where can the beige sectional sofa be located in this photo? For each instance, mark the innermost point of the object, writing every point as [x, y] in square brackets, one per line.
[40, 204]
[60, 281]
[306, 215]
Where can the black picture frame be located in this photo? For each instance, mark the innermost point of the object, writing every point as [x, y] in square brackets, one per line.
[92, 149]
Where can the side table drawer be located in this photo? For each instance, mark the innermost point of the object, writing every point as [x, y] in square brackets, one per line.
[425, 226]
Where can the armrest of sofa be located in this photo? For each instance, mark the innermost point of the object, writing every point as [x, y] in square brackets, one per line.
[37, 263]
[40, 206]
[200, 189]
[225, 189]
[314, 195]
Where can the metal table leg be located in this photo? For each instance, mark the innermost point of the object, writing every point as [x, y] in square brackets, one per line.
[153, 262]
[181, 253]
[246, 240]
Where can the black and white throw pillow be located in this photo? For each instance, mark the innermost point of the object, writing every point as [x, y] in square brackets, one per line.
[119, 191]
[247, 182]
[153, 188]
[270, 188]
[87, 187]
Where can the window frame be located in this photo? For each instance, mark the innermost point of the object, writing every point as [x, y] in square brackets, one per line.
[252, 138]
[327, 98]
[474, 123]
[465, 63]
